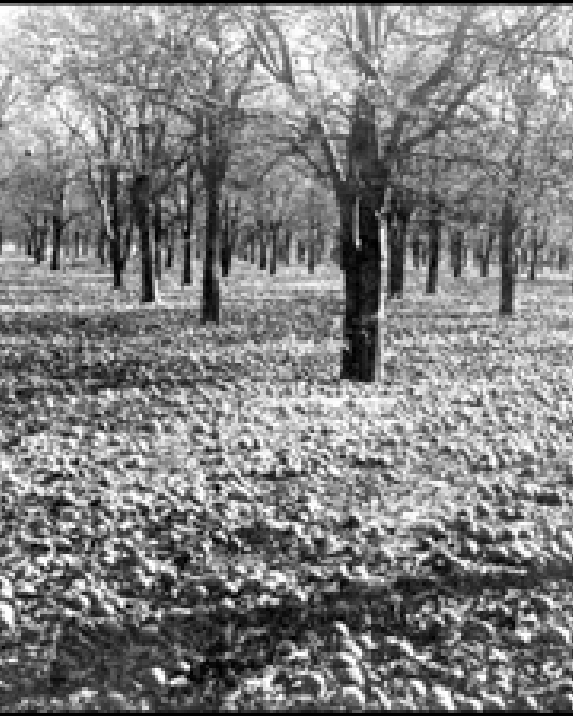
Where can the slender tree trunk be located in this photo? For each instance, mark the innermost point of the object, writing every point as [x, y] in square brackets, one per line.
[157, 233]
[210, 305]
[563, 259]
[433, 244]
[274, 245]
[76, 244]
[101, 245]
[288, 244]
[170, 240]
[486, 255]
[311, 252]
[225, 242]
[457, 252]
[188, 226]
[127, 243]
[30, 243]
[416, 248]
[115, 238]
[506, 256]
[141, 200]
[57, 231]
[44, 238]
[534, 250]
[252, 240]
[261, 230]
[301, 251]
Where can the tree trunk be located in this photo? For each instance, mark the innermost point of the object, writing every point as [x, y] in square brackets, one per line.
[188, 225]
[170, 240]
[86, 245]
[311, 252]
[30, 243]
[288, 244]
[534, 250]
[101, 245]
[416, 248]
[76, 244]
[115, 238]
[262, 245]
[57, 231]
[486, 255]
[157, 233]
[210, 305]
[433, 244]
[392, 267]
[141, 205]
[225, 241]
[457, 252]
[563, 259]
[506, 256]
[274, 245]
[301, 251]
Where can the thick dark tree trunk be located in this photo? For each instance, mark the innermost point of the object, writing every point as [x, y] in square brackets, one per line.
[225, 241]
[563, 259]
[274, 247]
[157, 234]
[261, 230]
[457, 252]
[508, 226]
[301, 251]
[433, 244]
[188, 225]
[362, 355]
[141, 205]
[76, 244]
[210, 304]
[416, 248]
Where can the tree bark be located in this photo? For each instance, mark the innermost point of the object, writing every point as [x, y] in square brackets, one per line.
[563, 258]
[252, 241]
[508, 225]
[363, 255]
[301, 251]
[433, 244]
[76, 244]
